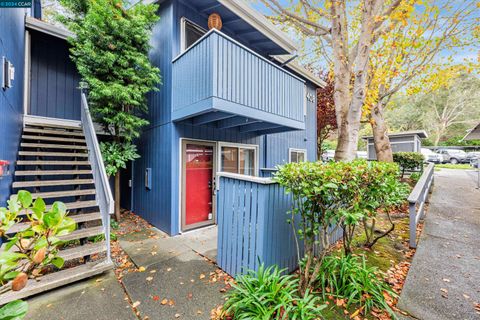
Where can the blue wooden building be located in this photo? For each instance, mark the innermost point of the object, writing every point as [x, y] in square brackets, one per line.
[233, 100]
[228, 103]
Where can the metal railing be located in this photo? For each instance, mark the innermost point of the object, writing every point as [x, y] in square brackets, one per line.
[103, 193]
[417, 199]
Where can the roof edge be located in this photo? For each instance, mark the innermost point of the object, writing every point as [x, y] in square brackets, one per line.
[45, 27]
[260, 23]
[298, 68]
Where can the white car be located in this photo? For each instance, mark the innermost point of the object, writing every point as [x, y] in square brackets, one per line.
[431, 156]
[328, 155]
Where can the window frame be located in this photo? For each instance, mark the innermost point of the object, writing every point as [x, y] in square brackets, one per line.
[239, 146]
[297, 150]
[183, 29]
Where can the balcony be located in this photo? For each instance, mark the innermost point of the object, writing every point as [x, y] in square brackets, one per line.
[222, 83]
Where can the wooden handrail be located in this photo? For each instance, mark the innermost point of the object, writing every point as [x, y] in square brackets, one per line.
[103, 192]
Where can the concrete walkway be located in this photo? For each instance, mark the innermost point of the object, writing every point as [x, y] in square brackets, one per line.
[444, 279]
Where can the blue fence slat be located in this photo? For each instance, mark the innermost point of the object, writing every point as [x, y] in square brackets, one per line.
[253, 226]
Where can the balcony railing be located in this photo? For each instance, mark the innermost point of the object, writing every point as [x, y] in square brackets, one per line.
[219, 76]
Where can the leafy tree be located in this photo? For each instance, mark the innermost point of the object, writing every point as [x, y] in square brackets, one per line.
[344, 34]
[326, 117]
[405, 57]
[110, 49]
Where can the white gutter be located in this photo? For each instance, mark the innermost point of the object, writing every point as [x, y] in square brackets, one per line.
[260, 23]
[44, 27]
[304, 73]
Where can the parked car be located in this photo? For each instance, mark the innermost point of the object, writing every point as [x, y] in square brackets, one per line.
[472, 156]
[453, 156]
[328, 155]
[362, 155]
[431, 156]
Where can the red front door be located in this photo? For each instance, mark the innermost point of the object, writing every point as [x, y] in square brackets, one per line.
[199, 161]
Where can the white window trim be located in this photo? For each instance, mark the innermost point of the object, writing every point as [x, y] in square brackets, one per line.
[183, 23]
[254, 147]
[290, 150]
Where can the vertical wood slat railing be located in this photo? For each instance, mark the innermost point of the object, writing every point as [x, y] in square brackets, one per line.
[103, 192]
[253, 227]
[417, 199]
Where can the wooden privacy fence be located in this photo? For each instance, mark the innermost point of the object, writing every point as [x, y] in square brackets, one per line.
[417, 199]
[252, 216]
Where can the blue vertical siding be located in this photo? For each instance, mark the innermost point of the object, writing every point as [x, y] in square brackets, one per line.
[239, 80]
[278, 144]
[159, 145]
[159, 102]
[155, 144]
[54, 80]
[12, 44]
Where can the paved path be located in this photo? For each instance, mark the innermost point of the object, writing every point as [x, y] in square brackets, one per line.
[444, 279]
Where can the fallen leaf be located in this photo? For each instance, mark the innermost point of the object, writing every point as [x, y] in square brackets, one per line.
[202, 276]
[169, 269]
[149, 278]
[156, 298]
[466, 296]
[446, 280]
[153, 271]
[141, 269]
[177, 315]
[135, 304]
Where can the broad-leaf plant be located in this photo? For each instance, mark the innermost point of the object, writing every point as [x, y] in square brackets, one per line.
[28, 252]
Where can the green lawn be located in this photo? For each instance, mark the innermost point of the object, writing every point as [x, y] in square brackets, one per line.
[461, 166]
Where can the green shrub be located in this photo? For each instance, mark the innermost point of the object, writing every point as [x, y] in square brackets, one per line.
[14, 310]
[415, 176]
[267, 294]
[348, 277]
[340, 194]
[408, 160]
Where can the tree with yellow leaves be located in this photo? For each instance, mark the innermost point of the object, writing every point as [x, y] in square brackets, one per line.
[405, 57]
[350, 36]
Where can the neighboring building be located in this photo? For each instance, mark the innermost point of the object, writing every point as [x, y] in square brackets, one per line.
[407, 141]
[473, 134]
[226, 104]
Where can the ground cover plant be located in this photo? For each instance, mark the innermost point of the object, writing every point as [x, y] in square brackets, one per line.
[360, 197]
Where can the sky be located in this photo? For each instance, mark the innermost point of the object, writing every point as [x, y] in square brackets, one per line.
[469, 53]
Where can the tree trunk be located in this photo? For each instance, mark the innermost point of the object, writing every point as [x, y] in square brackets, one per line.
[383, 148]
[117, 196]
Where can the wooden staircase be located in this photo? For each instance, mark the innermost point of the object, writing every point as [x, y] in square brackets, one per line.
[53, 164]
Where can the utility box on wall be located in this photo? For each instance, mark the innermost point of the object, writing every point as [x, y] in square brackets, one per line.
[407, 141]
[8, 74]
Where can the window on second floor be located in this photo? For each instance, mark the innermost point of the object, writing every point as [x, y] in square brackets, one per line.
[190, 33]
[297, 155]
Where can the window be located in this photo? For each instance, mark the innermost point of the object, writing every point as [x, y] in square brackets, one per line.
[190, 33]
[297, 155]
[238, 159]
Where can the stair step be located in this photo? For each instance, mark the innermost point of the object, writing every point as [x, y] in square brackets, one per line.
[82, 233]
[48, 183]
[62, 194]
[51, 162]
[83, 250]
[75, 235]
[51, 146]
[78, 204]
[51, 172]
[51, 125]
[79, 218]
[45, 138]
[57, 279]
[53, 154]
[54, 132]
